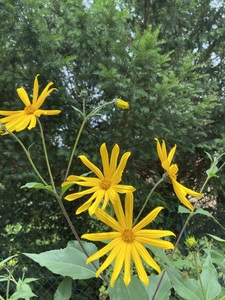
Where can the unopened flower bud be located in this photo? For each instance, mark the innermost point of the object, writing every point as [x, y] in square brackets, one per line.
[122, 104]
[191, 242]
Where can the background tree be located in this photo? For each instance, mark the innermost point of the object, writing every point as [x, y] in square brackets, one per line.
[165, 57]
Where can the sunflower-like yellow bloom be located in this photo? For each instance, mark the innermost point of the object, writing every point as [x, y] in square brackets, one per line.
[172, 170]
[106, 185]
[26, 118]
[127, 242]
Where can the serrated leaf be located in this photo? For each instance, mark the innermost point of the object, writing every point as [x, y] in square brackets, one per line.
[164, 288]
[70, 261]
[64, 290]
[37, 185]
[135, 290]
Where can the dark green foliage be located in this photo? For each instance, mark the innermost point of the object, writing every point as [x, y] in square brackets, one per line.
[165, 57]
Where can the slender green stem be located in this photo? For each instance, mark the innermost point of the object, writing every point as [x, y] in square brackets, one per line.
[75, 147]
[198, 275]
[179, 238]
[147, 199]
[46, 156]
[28, 156]
[77, 236]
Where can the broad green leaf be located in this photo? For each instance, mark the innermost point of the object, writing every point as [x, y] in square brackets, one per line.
[64, 290]
[23, 291]
[184, 210]
[135, 290]
[186, 288]
[37, 185]
[70, 261]
[164, 288]
[209, 280]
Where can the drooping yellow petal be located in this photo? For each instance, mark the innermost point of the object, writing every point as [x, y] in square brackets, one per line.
[119, 260]
[127, 262]
[139, 266]
[44, 94]
[146, 256]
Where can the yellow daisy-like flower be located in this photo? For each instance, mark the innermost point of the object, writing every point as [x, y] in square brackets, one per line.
[172, 170]
[26, 118]
[106, 186]
[127, 242]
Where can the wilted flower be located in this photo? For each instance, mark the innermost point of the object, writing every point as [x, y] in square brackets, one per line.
[172, 170]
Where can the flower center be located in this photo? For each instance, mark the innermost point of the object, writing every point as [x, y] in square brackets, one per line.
[105, 184]
[128, 236]
[29, 110]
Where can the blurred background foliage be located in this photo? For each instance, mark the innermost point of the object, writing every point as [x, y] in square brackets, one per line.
[165, 57]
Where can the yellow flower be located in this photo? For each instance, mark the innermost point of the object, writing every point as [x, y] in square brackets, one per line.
[26, 118]
[106, 186]
[172, 170]
[122, 104]
[127, 242]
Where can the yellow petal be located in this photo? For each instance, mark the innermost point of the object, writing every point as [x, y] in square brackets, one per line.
[129, 203]
[141, 250]
[108, 220]
[127, 262]
[118, 263]
[113, 160]
[148, 219]
[23, 96]
[36, 88]
[102, 236]
[45, 112]
[116, 177]
[139, 266]
[91, 166]
[105, 160]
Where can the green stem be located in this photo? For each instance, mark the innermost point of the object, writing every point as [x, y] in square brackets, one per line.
[77, 236]
[85, 119]
[46, 156]
[28, 156]
[179, 238]
[75, 147]
[147, 199]
[198, 275]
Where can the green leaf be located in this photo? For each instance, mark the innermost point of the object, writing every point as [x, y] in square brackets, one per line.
[64, 290]
[23, 291]
[7, 259]
[184, 210]
[37, 185]
[209, 280]
[164, 288]
[70, 261]
[135, 290]
[208, 214]
[79, 111]
[186, 288]
[218, 240]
